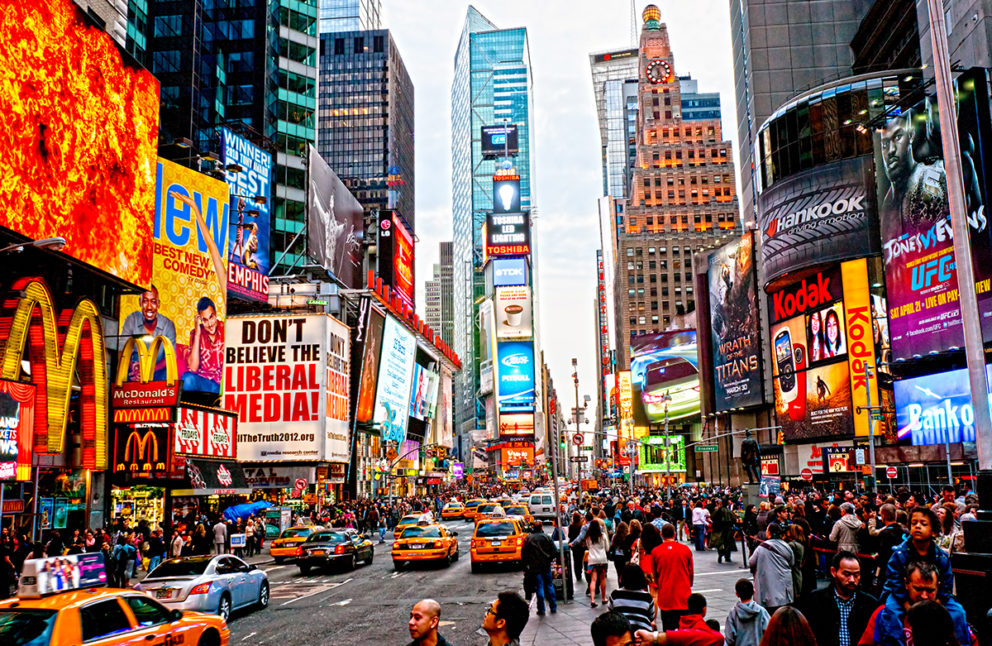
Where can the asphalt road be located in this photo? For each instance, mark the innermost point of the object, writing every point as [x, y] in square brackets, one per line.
[371, 605]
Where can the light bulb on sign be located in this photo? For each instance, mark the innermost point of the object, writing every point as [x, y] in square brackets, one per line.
[506, 196]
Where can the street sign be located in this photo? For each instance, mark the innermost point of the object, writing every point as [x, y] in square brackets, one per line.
[866, 469]
[806, 474]
[859, 456]
[300, 484]
[578, 439]
[891, 473]
[706, 448]
[579, 458]
[585, 448]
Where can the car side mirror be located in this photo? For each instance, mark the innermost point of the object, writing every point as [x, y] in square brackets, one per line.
[175, 615]
[454, 533]
[252, 567]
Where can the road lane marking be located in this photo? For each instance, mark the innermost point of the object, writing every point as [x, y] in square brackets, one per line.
[273, 569]
[246, 637]
[319, 588]
[344, 602]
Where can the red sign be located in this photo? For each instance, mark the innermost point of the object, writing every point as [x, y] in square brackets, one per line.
[15, 506]
[300, 484]
[402, 261]
[142, 415]
[806, 474]
[136, 395]
[207, 433]
[891, 473]
[16, 429]
[514, 457]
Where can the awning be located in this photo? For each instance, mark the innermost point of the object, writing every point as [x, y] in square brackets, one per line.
[213, 478]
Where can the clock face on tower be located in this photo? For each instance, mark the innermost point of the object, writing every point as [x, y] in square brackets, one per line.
[659, 71]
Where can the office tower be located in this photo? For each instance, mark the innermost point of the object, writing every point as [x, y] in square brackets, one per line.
[682, 196]
[439, 306]
[492, 86]
[110, 15]
[365, 119]
[610, 70]
[252, 68]
[887, 39]
[350, 15]
[781, 49]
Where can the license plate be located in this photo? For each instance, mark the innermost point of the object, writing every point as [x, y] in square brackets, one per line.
[163, 593]
[318, 552]
[417, 546]
[496, 543]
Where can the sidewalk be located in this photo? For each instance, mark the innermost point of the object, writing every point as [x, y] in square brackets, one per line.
[570, 625]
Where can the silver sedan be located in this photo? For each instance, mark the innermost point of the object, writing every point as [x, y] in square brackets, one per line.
[217, 584]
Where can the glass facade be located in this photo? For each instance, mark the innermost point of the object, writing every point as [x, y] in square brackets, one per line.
[366, 119]
[609, 72]
[492, 85]
[350, 15]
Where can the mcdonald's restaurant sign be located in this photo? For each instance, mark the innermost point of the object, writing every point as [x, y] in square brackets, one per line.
[143, 452]
[57, 346]
[137, 361]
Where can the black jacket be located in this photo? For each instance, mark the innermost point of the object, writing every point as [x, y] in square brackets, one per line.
[821, 612]
[537, 552]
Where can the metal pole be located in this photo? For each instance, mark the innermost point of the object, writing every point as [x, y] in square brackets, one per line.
[947, 455]
[973, 349]
[565, 575]
[871, 426]
[668, 456]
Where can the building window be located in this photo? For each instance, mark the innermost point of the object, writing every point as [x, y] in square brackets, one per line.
[359, 45]
[378, 44]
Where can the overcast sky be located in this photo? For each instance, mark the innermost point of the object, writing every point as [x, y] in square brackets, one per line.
[569, 176]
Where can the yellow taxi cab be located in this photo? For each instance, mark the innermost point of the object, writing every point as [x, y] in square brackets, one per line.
[452, 510]
[489, 510]
[471, 506]
[59, 603]
[497, 540]
[409, 520]
[521, 510]
[289, 545]
[425, 543]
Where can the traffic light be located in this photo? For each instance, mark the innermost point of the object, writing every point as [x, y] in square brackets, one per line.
[562, 445]
[781, 438]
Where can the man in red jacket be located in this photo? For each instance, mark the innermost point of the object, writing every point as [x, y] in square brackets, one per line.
[673, 570]
[692, 631]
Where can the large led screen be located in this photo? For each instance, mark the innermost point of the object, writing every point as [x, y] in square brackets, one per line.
[515, 379]
[335, 226]
[656, 457]
[80, 135]
[735, 331]
[187, 302]
[251, 202]
[936, 408]
[665, 376]
[392, 402]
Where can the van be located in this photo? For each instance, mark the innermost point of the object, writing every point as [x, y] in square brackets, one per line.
[541, 505]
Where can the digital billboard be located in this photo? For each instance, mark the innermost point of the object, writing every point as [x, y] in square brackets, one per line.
[507, 234]
[514, 314]
[936, 408]
[512, 424]
[862, 337]
[251, 200]
[286, 377]
[17, 402]
[509, 272]
[517, 456]
[506, 194]
[80, 139]
[187, 302]
[424, 398]
[665, 376]
[735, 329]
[392, 401]
[335, 223]
[499, 141]
[515, 376]
[652, 455]
[395, 255]
[371, 342]
[817, 216]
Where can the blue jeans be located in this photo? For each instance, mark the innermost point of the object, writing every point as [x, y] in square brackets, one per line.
[382, 534]
[153, 562]
[700, 537]
[545, 588]
[193, 381]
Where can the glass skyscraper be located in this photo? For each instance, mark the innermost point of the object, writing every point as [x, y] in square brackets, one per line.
[350, 15]
[493, 85]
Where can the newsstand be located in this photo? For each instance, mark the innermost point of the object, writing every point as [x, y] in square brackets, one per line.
[562, 576]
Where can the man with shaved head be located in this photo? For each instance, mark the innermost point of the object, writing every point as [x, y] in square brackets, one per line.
[424, 620]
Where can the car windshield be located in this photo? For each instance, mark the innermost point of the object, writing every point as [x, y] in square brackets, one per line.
[495, 529]
[409, 520]
[473, 503]
[322, 537]
[485, 509]
[26, 627]
[453, 505]
[517, 509]
[426, 532]
[296, 532]
[180, 567]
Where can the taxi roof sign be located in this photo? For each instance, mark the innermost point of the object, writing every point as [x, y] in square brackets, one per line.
[40, 577]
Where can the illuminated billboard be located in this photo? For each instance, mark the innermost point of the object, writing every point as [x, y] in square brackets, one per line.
[514, 315]
[335, 223]
[499, 141]
[936, 408]
[17, 402]
[251, 201]
[665, 375]
[371, 344]
[509, 272]
[507, 234]
[395, 249]
[392, 401]
[80, 139]
[511, 424]
[506, 194]
[654, 456]
[515, 376]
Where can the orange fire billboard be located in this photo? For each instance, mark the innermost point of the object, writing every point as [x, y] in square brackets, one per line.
[80, 138]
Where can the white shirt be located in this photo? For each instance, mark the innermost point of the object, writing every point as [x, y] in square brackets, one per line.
[700, 516]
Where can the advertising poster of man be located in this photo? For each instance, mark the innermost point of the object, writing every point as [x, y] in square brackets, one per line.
[334, 223]
[371, 345]
[248, 260]
[735, 332]
[188, 300]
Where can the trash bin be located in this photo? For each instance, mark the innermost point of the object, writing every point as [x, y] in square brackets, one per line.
[562, 576]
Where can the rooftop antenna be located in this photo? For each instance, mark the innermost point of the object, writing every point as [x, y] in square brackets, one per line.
[633, 24]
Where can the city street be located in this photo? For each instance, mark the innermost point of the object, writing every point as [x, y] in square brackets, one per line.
[372, 603]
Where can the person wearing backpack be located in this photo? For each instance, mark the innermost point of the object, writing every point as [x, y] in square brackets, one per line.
[123, 556]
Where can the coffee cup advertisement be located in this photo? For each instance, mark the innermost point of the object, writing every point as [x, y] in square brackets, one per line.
[514, 314]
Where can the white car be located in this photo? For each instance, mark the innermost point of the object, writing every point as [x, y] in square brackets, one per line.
[541, 505]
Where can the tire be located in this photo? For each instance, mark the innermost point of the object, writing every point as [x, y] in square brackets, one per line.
[368, 561]
[349, 565]
[279, 559]
[457, 554]
[224, 607]
[476, 568]
[398, 566]
[263, 595]
[209, 637]
[304, 568]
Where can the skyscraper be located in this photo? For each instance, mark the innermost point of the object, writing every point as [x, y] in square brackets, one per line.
[493, 85]
[350, 15]
[366, 120]
[610, 70]
[440, 302]
[681, 195]
[781, 49]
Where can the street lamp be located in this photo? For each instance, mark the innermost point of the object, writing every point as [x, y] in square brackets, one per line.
[56, 244]
[668, 457]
